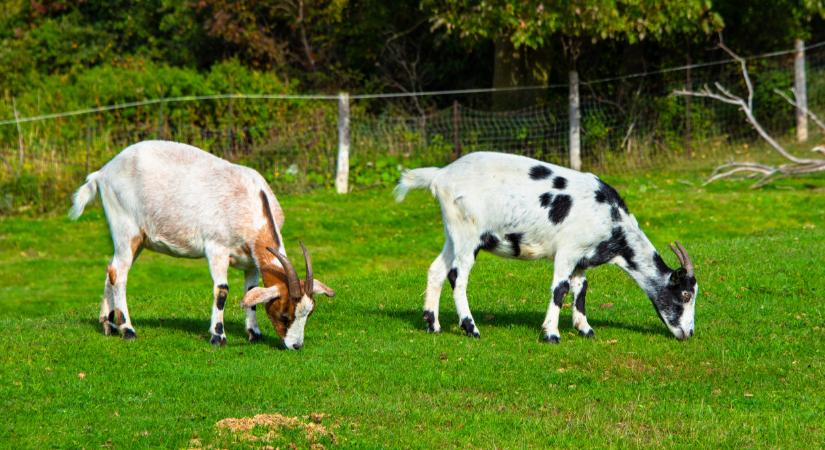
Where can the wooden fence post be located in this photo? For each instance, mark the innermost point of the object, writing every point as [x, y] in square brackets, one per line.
[575, 125]
[800, 91]
[342, 169]
[88, 146]
[688, 110]
[20, 150]
[456, 131]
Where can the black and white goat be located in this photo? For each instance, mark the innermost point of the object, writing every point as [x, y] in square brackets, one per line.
[519, 207]
[182, 201]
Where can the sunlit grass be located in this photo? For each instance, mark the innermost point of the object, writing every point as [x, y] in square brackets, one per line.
[753, 375]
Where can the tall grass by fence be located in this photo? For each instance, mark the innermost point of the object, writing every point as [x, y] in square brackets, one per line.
[626, 122]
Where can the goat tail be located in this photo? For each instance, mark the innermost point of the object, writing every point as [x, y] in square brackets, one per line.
[84, 195]
[414, 179]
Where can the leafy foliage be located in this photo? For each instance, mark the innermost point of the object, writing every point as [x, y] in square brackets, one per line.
[535, 23]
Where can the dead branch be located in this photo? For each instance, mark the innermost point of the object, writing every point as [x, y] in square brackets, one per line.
[722, 94]
[804, 110]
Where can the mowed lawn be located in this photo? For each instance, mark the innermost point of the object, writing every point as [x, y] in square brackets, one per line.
[369, 376]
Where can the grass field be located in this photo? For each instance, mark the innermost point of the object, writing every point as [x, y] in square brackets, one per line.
[752, 376]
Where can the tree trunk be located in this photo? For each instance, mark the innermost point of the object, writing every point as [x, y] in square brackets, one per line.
[518, 67]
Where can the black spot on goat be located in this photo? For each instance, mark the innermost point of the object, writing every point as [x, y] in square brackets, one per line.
[559, 292]
[579, 301]
[488, 242]
[223, 292]
[559, 183]
[606, 194]
[545, 199]
[452, 275]
[560, 208]
[540, 172]
[615, 245]
[515, 242]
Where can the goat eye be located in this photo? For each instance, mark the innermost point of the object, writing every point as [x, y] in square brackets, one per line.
[686, 296]
[284, 317]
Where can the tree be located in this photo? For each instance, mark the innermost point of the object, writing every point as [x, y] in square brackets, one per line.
[528, 28]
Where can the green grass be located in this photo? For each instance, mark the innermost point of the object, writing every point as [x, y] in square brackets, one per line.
[753, 376]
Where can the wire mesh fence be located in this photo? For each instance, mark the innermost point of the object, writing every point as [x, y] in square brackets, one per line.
[626, 122]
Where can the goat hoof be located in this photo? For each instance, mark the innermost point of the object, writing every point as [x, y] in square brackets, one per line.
[129, 334]
[469, 327]
[550, 338]
[108, 323]
[218, 341]
[589, 334]
[429, 319]
[253, 336]
[109, 329]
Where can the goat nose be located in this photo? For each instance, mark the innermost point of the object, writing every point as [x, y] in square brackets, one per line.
[297, 346]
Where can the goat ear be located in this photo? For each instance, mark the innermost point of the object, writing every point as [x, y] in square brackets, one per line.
[258, 295]
[677, 276]
[321, 288]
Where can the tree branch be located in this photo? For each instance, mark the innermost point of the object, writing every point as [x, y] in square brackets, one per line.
[805, 111]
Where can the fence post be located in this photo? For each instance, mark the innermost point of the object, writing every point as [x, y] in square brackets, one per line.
[575, 119]
[342, 169]
[688, 112]
[19, 136]
[88, 146]
[800, 91]
[456, 131]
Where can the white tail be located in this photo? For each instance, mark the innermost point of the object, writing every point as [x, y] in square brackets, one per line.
[414, 179]
[84, 195]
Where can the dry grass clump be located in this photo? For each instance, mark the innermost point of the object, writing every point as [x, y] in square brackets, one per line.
[267, 428]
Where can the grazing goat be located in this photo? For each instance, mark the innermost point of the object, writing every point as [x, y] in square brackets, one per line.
[519, 207]
[182, 201]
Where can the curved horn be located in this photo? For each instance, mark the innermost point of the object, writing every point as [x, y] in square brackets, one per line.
[678, 254]
[291, 276]
[308, 284]
[269, 218]
[686, 263]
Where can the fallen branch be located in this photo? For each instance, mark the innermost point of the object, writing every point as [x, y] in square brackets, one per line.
[798, 165]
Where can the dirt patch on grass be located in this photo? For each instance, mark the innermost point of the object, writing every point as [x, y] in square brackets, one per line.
[263, 429]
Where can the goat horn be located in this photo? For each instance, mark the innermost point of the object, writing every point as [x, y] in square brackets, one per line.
[293, 285]
[308, 284]
[687, 263]
[678, 254]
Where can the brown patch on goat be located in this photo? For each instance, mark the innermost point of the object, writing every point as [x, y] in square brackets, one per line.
[137, 245]
[281, 311]
[112, 274]
[119, 319]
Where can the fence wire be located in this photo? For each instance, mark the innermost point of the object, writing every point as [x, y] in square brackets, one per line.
[292, 140]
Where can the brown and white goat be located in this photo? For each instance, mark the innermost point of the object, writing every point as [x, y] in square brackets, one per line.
[182, 201]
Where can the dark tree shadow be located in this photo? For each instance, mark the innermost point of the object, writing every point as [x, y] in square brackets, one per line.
[198, 328]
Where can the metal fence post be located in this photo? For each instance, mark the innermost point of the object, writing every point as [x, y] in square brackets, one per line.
[342, 169]
[800, 91]
[575, 119]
